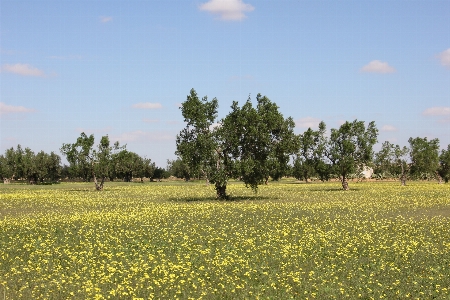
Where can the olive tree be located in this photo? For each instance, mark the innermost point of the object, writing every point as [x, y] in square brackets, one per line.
[309, 158]
[88, 161]
[444, 164]
[243, 145]
[350, 148]
[424, 156]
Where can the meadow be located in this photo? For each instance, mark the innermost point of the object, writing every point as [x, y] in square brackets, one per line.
[175, 241]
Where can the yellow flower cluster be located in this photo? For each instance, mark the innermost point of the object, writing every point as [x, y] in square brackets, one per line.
[290, 241]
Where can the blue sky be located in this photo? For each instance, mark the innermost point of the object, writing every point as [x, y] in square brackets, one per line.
[122, 68]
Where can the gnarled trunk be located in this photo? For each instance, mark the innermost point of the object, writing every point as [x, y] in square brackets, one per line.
[403, 177]
[344, 183]
[221, 192]
[98, 187]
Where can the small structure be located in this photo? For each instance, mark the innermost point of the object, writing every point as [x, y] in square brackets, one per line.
[366, 172]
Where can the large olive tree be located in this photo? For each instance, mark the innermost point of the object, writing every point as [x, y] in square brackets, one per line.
[243, 145]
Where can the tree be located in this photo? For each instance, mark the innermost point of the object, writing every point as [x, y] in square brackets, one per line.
[444, 164]
[350, 148]
[29, 168]
[391, 161]
[311, 151]
[196, 143]
[126, 165]
[90, 162]
[424, 156]
[178, 169]
[244, 145]
[11, 164]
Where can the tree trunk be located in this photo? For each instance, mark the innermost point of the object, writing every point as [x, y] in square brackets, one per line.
[403, 177]
[439, 177]
[221, 192]
[98, 187]
[344, 183]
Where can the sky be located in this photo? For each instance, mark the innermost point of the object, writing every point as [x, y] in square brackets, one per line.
[123, 68]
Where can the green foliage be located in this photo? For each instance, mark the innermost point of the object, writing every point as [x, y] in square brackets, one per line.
[128, 165]
[351, 147]
[248, 144]
[35, 168]
[178, 169]
[309, 159]
[89, 162]
[424, 157]
[444, 164]
[391, 161]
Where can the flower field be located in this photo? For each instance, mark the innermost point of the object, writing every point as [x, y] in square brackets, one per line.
[175, 241]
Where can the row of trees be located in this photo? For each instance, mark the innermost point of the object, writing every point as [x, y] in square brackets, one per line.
[254, 143]
[86, 162]
[318, 155]
[24, 163]
[250, 144]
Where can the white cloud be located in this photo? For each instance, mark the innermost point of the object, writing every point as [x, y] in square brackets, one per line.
[23, 69]
[147, 105]
[143, 136]
[376, 66]
[437, 111]
[445, 58]
[308, 122]
[8, 109]
[232, 10]
[388, 128]
[105, 19]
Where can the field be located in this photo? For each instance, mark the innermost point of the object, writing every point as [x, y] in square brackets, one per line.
[174, 240]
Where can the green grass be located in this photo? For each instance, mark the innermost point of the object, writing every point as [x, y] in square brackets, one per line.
[174, 240]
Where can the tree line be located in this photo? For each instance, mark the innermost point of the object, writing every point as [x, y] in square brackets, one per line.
[251, 144]
[86, 162]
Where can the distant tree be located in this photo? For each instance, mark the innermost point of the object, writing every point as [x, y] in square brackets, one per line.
[88, 161]
[350, 148]
[54, 169]
[159, 173]
[424, 156]
[178, 169]
[8, 165]
[391, 161]
[311, 151]
[383, 160]
[444, 164]
[29, 167]
[128, 165]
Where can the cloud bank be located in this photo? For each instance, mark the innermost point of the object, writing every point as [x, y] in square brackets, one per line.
[8, 109]
[231, 10]
[23, 69]
[147, 105]
[376, 66]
